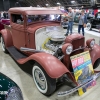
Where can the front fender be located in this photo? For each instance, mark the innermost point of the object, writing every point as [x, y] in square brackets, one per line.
[7, 37]
[53, 67]
[95, 53]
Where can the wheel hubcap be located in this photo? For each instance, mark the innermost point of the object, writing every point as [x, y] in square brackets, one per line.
[40, 79]
[88, 26]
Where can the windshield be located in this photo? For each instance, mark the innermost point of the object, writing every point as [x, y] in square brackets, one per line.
[36, 18]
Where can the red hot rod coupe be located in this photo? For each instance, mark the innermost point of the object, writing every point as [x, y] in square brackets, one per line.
[35, 34]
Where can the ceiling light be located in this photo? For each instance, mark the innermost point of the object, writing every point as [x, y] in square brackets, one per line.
[58, 3]
[47, 4]
[72, 1]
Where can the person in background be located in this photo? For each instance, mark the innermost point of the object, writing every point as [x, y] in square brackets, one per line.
[2, 14]
[82, 22]
[70, 17]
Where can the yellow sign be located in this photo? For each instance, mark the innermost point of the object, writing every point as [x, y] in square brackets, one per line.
[83, 70]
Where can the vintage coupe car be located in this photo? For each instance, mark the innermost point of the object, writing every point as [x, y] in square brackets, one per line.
[9, 90]
[94, 22]
[36, 35]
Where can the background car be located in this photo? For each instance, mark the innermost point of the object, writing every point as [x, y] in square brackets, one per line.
[76, 17]
[4, 22]
[94, 22]
[9, 90]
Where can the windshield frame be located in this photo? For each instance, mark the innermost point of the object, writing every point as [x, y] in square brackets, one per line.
[41, 21]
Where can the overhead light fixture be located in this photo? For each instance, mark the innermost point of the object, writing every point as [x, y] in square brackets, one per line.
[47, 4]
[58, 3]
[72, 1]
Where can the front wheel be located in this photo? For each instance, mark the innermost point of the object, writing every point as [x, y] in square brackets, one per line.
[43, 82]
[96, 64]
[3, 45]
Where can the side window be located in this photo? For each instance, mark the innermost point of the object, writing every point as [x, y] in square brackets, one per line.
[17, 18]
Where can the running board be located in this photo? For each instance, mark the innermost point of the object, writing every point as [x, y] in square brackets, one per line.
[15, 53]
[65, 93]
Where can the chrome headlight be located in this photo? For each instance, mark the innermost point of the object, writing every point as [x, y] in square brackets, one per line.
[69, 49]
[90, 43]
[14, 93]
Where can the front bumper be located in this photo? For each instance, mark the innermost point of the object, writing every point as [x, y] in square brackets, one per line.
[65, 93]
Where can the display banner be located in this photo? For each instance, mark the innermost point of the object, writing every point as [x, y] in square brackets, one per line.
[83, 70]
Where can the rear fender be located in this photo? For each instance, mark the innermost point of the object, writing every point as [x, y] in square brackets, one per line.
[7, 37]
[53, 67]
[95, 53]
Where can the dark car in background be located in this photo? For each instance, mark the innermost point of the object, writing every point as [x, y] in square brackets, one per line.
[9, 90]
[94, 22]
[76, 17]
[89, 16]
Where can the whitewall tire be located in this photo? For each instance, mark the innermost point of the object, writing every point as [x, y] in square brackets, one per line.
[3, 45]
[43, 82]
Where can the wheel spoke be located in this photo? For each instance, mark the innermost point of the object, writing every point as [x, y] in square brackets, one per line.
[40, 79]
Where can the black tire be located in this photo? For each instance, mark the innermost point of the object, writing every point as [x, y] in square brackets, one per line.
[47, 84]
[3, 45]
[96, 64]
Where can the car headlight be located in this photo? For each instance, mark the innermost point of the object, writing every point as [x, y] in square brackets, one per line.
[69, 49]
[90, 43]
[14, 93]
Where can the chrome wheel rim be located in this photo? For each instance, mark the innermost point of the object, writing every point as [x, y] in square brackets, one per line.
[40, 79]
[88, 26]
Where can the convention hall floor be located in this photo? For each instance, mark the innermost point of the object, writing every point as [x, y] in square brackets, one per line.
[19, 73]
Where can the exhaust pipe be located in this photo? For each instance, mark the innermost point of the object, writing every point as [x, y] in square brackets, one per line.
[30, 50]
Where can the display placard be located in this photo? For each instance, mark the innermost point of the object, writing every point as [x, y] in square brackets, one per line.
[83, 70]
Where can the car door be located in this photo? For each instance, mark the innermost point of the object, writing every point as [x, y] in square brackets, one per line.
[18, 30]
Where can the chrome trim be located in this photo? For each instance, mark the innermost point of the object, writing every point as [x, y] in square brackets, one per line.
[80, 48]
[30, 50]
[65, 93]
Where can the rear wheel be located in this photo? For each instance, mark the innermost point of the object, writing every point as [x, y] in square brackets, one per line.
[3, 45]
[43, 82]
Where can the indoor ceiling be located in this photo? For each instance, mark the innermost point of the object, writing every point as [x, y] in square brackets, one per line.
[64, 3]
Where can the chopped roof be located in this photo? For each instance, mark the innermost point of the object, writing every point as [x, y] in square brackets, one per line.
[35, 10]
